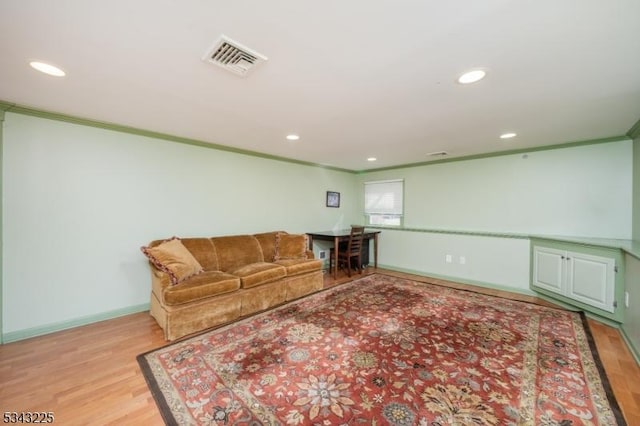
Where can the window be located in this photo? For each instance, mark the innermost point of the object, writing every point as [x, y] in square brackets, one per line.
[383, 202]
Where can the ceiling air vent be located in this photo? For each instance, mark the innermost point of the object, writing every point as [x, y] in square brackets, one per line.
[437, 154]
[233, 56]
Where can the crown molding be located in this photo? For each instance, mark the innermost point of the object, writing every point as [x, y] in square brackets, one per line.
[34, 112]
[502, 153]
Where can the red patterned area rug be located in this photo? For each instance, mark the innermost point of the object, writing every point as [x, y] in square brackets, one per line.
[385, 350]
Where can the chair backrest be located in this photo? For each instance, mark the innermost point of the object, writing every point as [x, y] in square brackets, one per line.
[355, 239]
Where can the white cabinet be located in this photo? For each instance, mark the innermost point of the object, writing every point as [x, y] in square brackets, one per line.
[549, 269]
[585, 278]
[591, 280]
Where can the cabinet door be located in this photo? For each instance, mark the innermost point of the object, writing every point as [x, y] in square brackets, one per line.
[548, 269]
[591, 280]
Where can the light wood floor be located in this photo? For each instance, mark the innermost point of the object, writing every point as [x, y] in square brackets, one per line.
[89, 375]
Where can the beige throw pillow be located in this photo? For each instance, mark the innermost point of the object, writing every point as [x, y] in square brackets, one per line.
[172, 257]
[291, 246]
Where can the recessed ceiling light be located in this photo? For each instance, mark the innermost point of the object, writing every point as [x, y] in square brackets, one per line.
[508, 135]
[371, 159]
[293, 137]
[471, 76]
[47, 69]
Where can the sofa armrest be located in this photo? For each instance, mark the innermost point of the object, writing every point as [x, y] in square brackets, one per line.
[159, 278]
[310, 255]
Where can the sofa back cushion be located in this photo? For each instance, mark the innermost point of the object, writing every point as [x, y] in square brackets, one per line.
[267, 242]
[204, 251]
[236, 251]
[291, 246]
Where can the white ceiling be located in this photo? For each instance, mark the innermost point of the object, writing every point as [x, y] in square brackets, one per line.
[354, 78]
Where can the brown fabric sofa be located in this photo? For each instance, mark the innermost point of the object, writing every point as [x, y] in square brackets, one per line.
[227, 278]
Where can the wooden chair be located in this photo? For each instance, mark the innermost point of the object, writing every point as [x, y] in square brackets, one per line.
[349, 251]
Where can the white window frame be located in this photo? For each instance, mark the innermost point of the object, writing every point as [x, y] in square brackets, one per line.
[384, 202]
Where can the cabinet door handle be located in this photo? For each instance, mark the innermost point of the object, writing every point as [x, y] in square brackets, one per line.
[562, 257]
[568, 258]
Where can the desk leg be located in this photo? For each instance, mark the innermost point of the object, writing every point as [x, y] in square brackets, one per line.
[375, 251]
[336, 244]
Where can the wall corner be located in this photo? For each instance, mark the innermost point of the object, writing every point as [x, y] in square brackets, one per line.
[1, 217]
[635, 188]
[634, 131]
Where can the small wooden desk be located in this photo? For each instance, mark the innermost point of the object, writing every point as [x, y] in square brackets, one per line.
[343, 235]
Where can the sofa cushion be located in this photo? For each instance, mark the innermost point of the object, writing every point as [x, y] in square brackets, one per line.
[300, 266]
[267, 242]
[236, 251]
[291, 246]
[258, 273]
[204, 251]
[172, 257]
[201, 286]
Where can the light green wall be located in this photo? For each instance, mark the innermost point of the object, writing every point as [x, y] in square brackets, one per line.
[489, 261]
[79, 201]
[584, 191]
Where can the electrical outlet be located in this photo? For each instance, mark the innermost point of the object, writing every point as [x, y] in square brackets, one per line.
[463, 260]
[626, 299]
[448, 258]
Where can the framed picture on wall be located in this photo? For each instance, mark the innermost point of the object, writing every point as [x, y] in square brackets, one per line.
[333, 199]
